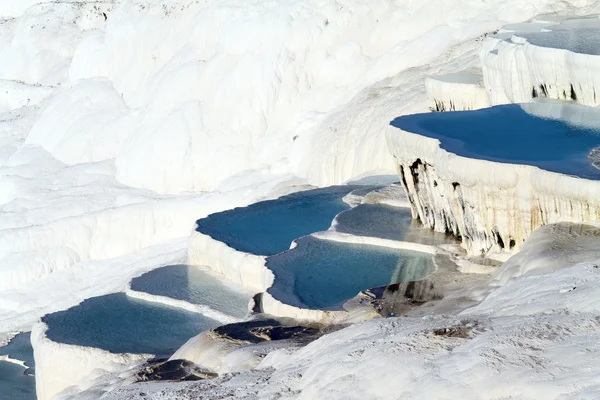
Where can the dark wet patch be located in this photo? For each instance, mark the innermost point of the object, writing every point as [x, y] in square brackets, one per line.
[263, 330]
[173, 371]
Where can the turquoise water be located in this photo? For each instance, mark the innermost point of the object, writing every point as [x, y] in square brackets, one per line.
[121, 324]
[14, 385]
[269, 227]
[322, 274]
[195, 286]
[510, 135]
[387, 222]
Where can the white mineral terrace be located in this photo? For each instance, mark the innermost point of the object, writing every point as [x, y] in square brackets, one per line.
[494, 206]
[457, 91]
[560, 61]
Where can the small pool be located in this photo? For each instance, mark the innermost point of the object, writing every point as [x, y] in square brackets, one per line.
[14, 384]
[509, 134]
[578, 35]
[269, 227]
[388, 222]
[121, 324]
[583, 41]
[322, 274]
[193, 285]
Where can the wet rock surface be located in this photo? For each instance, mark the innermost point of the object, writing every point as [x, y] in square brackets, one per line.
[262, 330]
[398, 298]
[173, 371]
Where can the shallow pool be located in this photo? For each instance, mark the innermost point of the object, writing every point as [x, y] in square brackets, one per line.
[579, 36]
[196, 286]
[14, 384]
[509, 134]
[322, 274]
[388, 222]
[269, 227]
[121, 324]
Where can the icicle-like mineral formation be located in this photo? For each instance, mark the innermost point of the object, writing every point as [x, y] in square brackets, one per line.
[492, 206]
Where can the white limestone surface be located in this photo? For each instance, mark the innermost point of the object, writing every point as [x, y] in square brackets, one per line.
[335, 236]
[184, 305]
[457, 91]
[272, 306]
[243, 268]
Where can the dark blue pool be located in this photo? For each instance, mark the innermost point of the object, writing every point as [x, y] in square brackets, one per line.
[508, 134]
[121, 324]
[269, 227]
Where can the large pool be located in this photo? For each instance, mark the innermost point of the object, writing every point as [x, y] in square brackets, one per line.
[195, 286]
[323, 274]
[509, 134]
[14, 384]
[121, 324]
[269, 227]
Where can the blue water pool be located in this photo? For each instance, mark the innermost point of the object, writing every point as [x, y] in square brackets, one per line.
[322, 274]
[509, 134]
[14, 384]
[576, 35]
[583, 41]
[195, 286]
[269, 227]
[120, 324]
[387, 222]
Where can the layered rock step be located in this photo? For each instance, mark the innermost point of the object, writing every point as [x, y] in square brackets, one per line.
[280, 248]
[236, 242]
[458, 91]
[494, 175]
[544, 59]
[107, 332]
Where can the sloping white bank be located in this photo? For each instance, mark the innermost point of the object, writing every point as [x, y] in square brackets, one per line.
[561, 62]
[60, 365]
[458, 91]
[493, 206]
[537, 337]
[549, 249]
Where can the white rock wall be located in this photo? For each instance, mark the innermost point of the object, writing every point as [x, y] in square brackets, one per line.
[460, 91]
[492, 206]
[243, 268]
[516, 71]
[59, 365]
